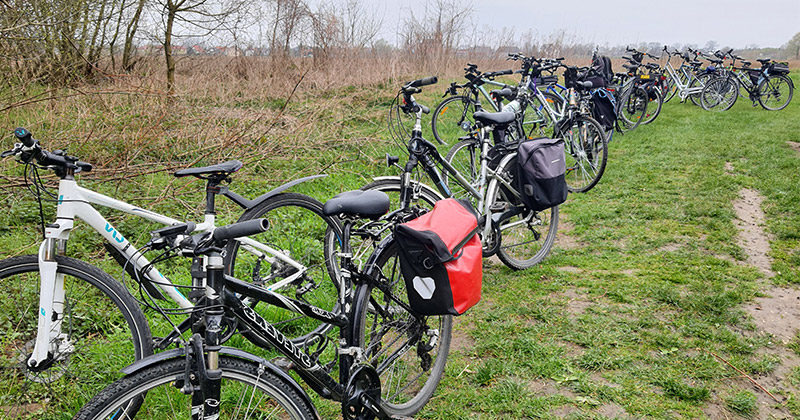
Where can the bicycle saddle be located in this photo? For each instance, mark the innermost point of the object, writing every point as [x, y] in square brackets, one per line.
[494, 118]
[224, 168]
[652, 66]
[505, 93]
[746, 63]
[360, 204]
[631, 67]
[764, 60]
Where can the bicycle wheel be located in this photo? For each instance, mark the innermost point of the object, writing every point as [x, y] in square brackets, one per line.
[423, 196]
[300, 231]
[586, 152]
[409, 352]
[247, 391]
[465, 157]
[633, 107]
[719, 94]
[452, 119]
[537, 122]
[775, 92]
[700, 81]
[102, 330]
[525, 239]
[654, 106]
[670, 87]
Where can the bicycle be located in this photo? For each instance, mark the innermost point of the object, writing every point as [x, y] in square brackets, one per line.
[380, 335]
[45, 335]
[452, 118]
[521, 238]
[768, 86]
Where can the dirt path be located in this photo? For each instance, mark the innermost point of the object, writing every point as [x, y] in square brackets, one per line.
[777, 313]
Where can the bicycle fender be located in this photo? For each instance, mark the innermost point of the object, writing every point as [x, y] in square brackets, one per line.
[228, 351]
[248, 204]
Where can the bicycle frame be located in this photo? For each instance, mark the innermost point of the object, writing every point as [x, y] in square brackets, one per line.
[684, 91]
[75, 201]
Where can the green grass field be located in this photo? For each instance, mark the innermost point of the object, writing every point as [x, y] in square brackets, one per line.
[644, 298]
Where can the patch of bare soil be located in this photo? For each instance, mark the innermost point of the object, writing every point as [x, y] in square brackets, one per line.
[729, 168]
[576, 304]
[612, 411]
[777, 314]
[564, 238]
[460, 341]
[794, 146]
[752, 237]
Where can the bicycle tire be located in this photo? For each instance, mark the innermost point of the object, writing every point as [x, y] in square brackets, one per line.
[465, 157]
[384, 330]
[701, 79]
[671, 87]
[544, 123]
[523, 229]
[453, 119]
[775, 83]
[104, 324]
[586, 151]
[633, 107]
[654, 107]
[425, 197]
[158, 382]
[719, 94]
[297, 228]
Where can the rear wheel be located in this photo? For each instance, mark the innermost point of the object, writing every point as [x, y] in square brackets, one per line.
[453, 119]
[775, 92]
[654, 106]
[465, 157]
[586, 153]
[632, 108]
[526, 238]
[698, 82]
[408, 351]
[299, 231]
[102, 331]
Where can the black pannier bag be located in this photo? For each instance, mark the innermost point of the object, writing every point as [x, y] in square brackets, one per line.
[779, 67]
[540, 173]
[604, 108]
[441, 259]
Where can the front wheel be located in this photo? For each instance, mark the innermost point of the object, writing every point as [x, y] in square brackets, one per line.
[719, 94]
[775, 92]
[247, 391]
[453, 119]
[586, 153]
[632, 108]
[527, 237]
[102, 331]
[408, 351]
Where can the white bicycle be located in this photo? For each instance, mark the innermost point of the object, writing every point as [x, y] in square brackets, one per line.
[66, 324]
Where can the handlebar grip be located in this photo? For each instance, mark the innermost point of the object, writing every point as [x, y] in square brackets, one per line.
[504, 72]
[424, 82]
[425, 109]
[560, 59]
[238, 230]
[24, 136]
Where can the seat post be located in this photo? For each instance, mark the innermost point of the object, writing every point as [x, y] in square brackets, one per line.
[212, 189]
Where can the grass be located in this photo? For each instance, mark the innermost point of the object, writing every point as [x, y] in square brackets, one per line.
[623, 319]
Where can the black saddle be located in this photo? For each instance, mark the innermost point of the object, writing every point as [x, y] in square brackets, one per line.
[220, 169]
[631, 67]
[505, 93]
[746, 63]
[360, 204]
[652, 66]
[764, 60]
[494, 118]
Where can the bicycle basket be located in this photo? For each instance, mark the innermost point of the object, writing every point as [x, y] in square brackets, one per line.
[441, 259]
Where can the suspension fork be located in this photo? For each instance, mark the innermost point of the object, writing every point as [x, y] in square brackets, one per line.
[49, 339]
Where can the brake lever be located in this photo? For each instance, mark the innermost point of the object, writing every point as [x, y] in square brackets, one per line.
[17, 148]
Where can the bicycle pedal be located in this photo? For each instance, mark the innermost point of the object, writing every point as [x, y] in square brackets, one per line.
[283, 363]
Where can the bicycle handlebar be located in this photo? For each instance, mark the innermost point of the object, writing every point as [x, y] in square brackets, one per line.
[238, 230]
[29, 150]
[423, 82]
[24, 136]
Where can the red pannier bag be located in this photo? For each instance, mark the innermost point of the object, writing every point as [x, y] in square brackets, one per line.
[440, 259]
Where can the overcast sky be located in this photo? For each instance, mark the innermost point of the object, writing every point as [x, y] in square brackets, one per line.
[734, 23]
